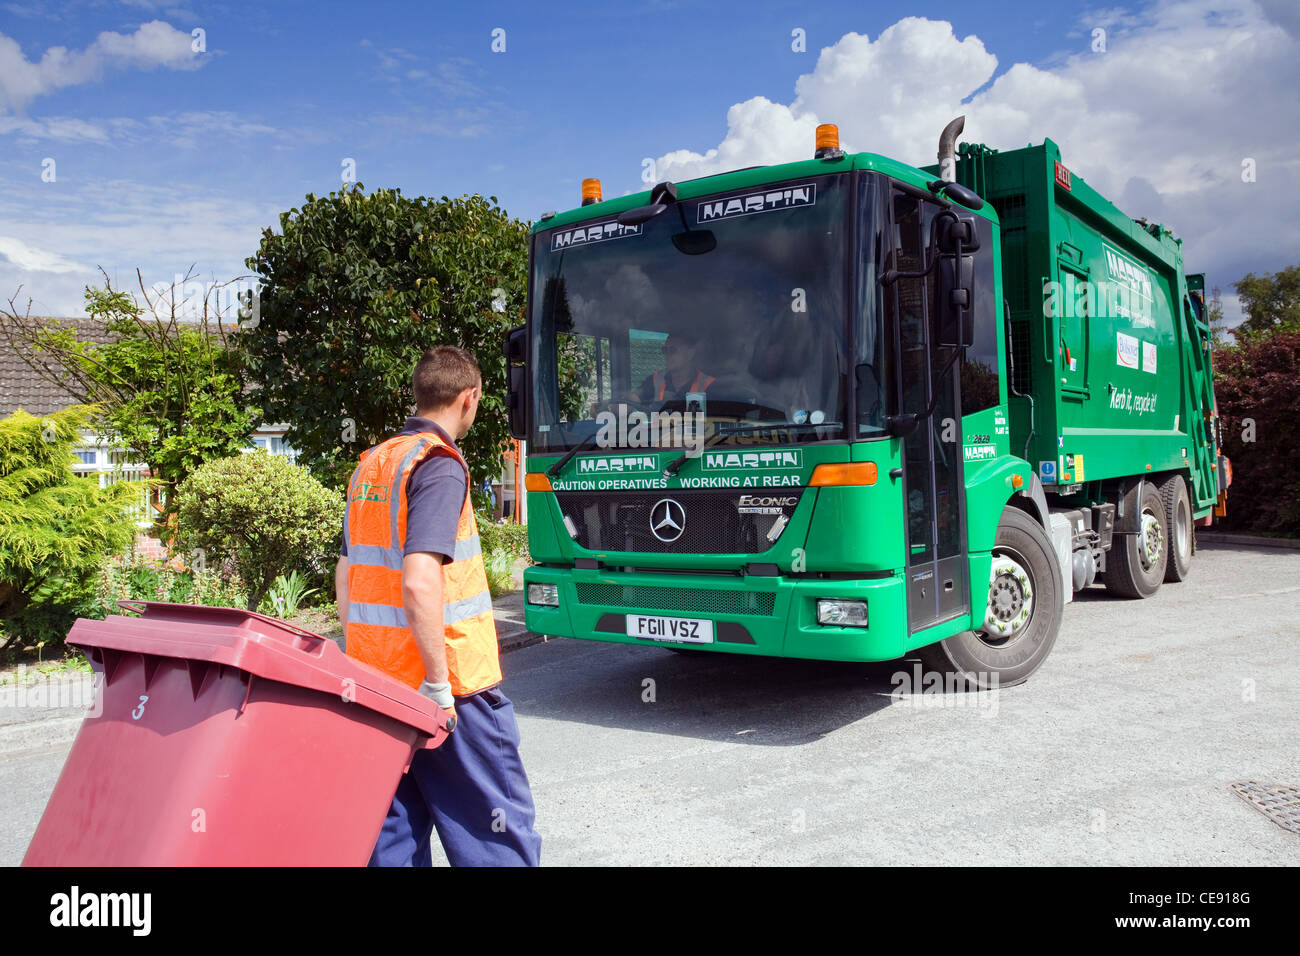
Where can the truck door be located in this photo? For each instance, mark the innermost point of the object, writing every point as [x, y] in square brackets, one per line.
[933, 480]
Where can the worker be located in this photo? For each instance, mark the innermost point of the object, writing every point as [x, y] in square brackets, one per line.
[679, 376]
[413, 598]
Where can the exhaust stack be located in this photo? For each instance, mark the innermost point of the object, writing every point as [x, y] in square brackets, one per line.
[948, 149]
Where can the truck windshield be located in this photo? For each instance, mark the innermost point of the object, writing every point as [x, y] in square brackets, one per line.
[727, 311]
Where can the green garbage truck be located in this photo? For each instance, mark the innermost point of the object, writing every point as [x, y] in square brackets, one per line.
[851, 409]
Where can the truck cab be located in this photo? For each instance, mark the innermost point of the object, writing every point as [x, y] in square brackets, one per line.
[767, 413]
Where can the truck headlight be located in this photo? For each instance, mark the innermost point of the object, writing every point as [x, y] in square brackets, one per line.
[842, 613]
[547, 594]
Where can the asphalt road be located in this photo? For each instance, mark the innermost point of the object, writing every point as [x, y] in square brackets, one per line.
[1120, 750]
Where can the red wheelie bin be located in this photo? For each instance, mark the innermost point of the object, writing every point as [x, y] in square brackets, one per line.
[227, 738]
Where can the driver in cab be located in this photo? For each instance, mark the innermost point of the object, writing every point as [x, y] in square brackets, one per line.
[680, 374]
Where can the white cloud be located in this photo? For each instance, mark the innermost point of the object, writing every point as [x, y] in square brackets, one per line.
[186, 129]
[447, 98]
[63, 129]
[189, 130]
[153, 44]
[1160, 123]
[33, 259]
[120, 225]
[759, 132]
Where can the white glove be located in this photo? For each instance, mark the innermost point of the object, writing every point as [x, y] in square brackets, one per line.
[440, 694]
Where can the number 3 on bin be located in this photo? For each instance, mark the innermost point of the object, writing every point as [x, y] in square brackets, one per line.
[139, 711]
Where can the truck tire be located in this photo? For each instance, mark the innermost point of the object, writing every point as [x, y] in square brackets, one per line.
[1178, 517]
[1135, 564]
[1025, 582]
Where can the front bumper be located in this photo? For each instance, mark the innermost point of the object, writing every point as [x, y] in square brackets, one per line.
[767, 615]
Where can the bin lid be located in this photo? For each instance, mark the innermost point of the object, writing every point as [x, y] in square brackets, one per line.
[261, 646]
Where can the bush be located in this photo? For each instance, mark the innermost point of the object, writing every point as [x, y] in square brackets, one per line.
[1258, 392]
[134, 578]
[499, 566]
[55, 527]
[288, 594]
[264, 515]
[497, 536]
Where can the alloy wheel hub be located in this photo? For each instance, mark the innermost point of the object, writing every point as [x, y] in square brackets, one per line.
[1152, 542]
[1011, 598]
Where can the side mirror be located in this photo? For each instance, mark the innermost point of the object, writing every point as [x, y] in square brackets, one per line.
[516, 346]
[515, 402]
[661, 197]
[957, 193]
[966, 197]
[516, 352]
[955, 294]
[900, 426]
[958, 230]
[956, 287]
[696, 242]
[641, 214]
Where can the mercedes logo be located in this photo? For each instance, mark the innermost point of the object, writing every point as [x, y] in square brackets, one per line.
[667, 520]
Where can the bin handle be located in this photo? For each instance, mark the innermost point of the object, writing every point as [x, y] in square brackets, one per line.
[432, 741]
[139, 606]
[288, 627]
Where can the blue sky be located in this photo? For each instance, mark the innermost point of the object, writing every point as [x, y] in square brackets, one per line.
[164, 156]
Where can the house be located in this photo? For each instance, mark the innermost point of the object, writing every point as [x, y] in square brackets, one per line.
[22, 387]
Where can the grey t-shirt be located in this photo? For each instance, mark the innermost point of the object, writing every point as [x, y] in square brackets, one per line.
[435, 493]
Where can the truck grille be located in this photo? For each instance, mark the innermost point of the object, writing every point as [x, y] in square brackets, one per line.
[713, 522]
[649, 597]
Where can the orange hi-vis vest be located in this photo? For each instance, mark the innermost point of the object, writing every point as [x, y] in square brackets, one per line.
[701, 383]
[375, 528]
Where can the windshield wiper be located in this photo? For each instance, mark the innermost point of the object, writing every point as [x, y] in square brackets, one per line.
[584, 445]
[672, 467]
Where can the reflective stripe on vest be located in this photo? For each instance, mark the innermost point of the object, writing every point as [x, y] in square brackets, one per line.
[377, 629]
[384, 557]
[701, 383]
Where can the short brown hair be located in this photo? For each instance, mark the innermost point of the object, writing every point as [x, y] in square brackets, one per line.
[442, 373]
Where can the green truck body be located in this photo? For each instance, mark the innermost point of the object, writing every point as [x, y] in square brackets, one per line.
[1137, 396]
[890, 474]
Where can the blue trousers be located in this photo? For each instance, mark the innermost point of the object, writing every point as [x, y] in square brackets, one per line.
[472, 790]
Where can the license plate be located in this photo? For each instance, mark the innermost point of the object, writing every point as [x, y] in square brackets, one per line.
[683, 629]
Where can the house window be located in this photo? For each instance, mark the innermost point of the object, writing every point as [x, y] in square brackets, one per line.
[275, 445]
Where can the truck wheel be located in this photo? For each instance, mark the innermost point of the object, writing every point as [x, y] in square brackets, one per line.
[1022, 617]
[1178, 518]
[1135, 564]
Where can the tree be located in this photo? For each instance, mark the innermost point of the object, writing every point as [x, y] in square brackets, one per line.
[1271, 302]
[353, 290]
[167, 389]
[55, 528]
[266, 516]
[1258, 393]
